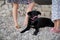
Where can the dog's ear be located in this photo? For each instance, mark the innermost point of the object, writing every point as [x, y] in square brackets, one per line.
[39, 13]
[29, 13]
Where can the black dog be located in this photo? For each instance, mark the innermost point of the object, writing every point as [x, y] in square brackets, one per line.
[37, 22]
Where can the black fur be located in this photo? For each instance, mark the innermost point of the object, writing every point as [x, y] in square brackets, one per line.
[37, 22]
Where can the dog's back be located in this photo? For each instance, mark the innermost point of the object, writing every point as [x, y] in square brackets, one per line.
[45, 22]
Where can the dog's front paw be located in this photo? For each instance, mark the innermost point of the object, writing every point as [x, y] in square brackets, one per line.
[22, 32]
[35, 33]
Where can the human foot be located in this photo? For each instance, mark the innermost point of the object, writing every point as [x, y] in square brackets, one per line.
[17, 27]
[55, 30]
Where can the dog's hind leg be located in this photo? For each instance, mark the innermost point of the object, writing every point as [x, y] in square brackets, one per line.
[51, 24]
[26, 29]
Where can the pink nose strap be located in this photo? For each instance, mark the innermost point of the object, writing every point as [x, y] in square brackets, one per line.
[34, 17]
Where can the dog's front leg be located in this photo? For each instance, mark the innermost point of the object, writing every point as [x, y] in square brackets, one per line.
[27, 28]
[36, 31]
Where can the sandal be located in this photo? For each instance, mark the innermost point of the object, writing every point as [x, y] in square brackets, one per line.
[54, 30]
[17, 27]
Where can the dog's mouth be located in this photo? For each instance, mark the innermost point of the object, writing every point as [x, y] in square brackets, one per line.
[34, 18]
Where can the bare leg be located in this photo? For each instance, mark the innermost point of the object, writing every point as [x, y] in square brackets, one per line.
[15, 10]
[57, 24]
[29, 8]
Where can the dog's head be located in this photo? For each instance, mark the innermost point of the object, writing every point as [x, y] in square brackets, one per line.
[33, 14]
